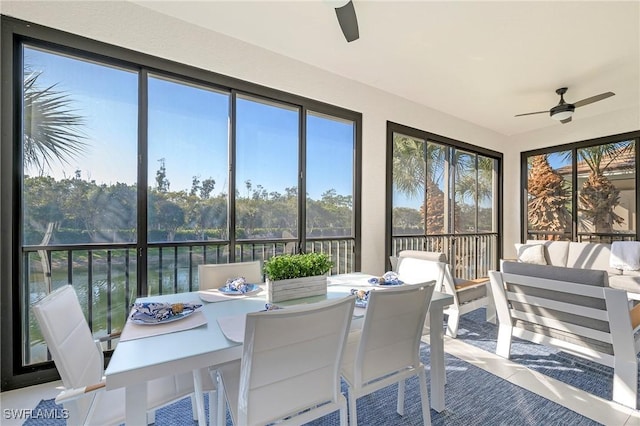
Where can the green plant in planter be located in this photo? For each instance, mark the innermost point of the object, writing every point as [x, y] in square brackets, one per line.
[287, 266]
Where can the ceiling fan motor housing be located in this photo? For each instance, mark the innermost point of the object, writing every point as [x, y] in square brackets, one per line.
[562, 111]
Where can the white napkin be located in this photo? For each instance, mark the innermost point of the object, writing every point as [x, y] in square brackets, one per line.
[214, 295]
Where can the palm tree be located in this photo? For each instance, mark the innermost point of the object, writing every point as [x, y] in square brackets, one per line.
[52, 129]
[599, 196]
[412, 177]
[548, 197]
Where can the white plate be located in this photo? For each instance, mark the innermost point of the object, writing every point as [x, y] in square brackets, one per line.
[143, 318]
[251, 289]
[391, 284]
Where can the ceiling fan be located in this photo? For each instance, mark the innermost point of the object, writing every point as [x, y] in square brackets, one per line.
[346, 13]
[563, 111]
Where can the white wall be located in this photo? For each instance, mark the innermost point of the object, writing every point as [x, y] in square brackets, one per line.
[128, 25]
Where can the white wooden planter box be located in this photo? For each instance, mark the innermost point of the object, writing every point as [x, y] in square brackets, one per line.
[296, 288]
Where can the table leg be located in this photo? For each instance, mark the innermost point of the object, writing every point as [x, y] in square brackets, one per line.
[436, 342]
[136, 404]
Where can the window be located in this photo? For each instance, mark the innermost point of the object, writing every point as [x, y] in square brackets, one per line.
[130, 171]
[597, 177]
[549, 196]
[79, 186]
[267, 156]
[188, 154]
[444, 198]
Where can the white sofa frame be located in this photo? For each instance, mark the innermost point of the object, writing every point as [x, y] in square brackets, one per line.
[511, 291]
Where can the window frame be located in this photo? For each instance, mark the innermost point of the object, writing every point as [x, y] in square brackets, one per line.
[14, 33]
[574, 147]
[393, 128]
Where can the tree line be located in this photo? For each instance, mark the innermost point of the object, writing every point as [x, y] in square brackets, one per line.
[88, 212]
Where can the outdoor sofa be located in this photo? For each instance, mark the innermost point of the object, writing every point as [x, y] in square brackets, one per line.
[596, 256]
[574, 310]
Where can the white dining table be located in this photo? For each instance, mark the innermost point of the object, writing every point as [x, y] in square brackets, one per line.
[135, 362]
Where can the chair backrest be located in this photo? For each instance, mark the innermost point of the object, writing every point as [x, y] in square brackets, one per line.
[416, 254]
[216, 275]
[391, 332]
[291, 359]
[70, 342]
[414, 270]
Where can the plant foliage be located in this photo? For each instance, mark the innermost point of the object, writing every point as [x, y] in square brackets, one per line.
[287, 266]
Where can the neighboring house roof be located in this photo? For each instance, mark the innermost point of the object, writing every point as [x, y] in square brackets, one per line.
[624, 162]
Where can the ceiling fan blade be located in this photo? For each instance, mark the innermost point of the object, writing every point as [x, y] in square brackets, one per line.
[566, 120]
[593, 99]
[348, 21]
[531, 113]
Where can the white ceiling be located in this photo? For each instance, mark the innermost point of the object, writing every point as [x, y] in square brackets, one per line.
[481, 61]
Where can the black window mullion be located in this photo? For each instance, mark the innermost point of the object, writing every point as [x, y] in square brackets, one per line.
[637, 159]
[574, 194]
[302, 180]
[142, 248]
[231, 201]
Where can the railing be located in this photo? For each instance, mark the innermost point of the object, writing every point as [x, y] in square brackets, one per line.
[583, 237]
[105, 276]
[470, 255]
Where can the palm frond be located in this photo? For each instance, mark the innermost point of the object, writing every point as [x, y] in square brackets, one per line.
[52, 129]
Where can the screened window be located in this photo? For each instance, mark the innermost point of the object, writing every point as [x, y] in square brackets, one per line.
[583, 192]
[267, 135]
[133, 174]
[444, 198]
[330, 178]
[188, 154]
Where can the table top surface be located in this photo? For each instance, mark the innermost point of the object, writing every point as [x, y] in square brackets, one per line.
[142, 359]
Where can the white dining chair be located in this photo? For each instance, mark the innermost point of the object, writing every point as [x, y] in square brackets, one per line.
[79, 360]
[387, 348]
[468, 295]
[215, 275]
[290, 367]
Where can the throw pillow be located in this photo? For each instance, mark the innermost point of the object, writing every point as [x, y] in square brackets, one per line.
[531, 253]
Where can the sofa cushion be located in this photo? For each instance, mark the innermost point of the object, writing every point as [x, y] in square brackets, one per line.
[573, 275]
[590, 256]
[625, 282]
[554, 251]
[531, 253]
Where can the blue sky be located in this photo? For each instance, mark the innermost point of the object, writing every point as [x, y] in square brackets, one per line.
[188, 127]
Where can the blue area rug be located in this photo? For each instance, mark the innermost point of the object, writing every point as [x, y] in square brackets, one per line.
[473, 396]
[583, 374]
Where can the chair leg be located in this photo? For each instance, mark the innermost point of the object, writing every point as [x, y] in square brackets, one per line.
[220, 411]
[503, 347]
[194, 408]
[452, 323]
[353, 412]
[151, 417]
[424, 396]
[344, 420]
[213, 404]
[400, 404]
[198, 395]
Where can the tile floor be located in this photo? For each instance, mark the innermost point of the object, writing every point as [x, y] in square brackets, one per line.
[598, 409]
